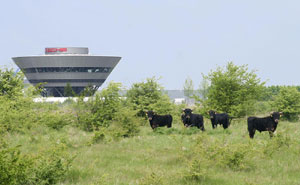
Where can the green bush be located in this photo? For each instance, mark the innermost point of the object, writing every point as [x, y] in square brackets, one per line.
[55, 119]
[83, 115]
[206, 153]
[100, 110]
[11, 83]
[51, 168]
[148, 96]
[14, 167]
[16, 114]
[233, 90]
[276, 144]
[288, 102]
[197, 171]
[126, 122]
[152, 179]
[99, 136]
[105, 105]
[48, 167]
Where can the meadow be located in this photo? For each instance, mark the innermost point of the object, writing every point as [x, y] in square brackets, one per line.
[107, 140]
[173, 156]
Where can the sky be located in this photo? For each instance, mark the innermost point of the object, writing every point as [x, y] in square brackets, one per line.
[168, 39]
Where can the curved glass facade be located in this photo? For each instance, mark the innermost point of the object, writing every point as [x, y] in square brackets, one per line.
[67, 69]
[61, 91]
[67, 80]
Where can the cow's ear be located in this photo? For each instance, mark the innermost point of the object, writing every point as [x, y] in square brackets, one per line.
[182, 110]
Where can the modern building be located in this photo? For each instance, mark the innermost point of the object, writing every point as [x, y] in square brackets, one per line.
[69, 66]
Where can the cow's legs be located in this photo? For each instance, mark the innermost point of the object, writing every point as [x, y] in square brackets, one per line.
[226, 124]
[202, 128]
[169, 125]
[251, 133]
[271, 133]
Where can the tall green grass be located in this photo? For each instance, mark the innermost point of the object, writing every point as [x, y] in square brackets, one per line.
[174, 156]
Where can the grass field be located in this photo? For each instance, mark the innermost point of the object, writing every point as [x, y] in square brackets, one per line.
[175, 156]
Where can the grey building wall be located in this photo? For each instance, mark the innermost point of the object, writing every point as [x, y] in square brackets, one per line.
[70, 58]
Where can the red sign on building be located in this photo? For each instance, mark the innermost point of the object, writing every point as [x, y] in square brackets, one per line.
[49, 50]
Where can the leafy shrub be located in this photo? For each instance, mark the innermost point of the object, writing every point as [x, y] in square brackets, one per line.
[233, 90]
[276, 144]
[126, 121]
[102, 180]
[83, 115]
[197, 171]
[236, 157]
[100, 110]
[288, 102]
[151, 179]
[21, 113]
[11, 83]
[16, 114]
[124, 124]
[219, 153]
[50, 169]
[55, 120]
[148, 96]
[99, 136]
[47, 167]
[14, 167]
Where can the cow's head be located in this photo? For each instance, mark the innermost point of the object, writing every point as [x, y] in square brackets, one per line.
[187, 113]
[275, 116]
[150, 114]
[212, 114]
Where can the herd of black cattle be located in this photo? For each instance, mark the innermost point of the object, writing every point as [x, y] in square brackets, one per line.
[190, 119]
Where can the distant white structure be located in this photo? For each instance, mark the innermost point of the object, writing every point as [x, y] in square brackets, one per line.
[179, 101]
[57, 99]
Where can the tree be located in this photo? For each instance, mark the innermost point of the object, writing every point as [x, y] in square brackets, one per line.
[188, 89]
[68, 91]
[203, 89]
[233, 90]
[106, 104]
[288, 102]
[11, 83]
[148, 96]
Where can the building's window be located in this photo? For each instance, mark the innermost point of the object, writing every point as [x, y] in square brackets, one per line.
[67, 80]
[68, 69]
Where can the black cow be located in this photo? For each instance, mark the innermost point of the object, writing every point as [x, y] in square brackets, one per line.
[159, 120]
[192, 120]
[222, 119]
[263, 124]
